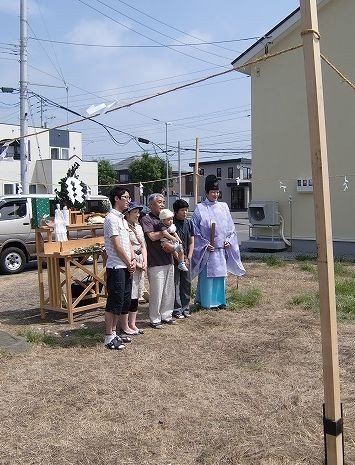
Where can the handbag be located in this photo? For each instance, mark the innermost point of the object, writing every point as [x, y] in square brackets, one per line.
[77, 289]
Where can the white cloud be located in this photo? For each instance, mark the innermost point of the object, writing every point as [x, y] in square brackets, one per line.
[96, 32]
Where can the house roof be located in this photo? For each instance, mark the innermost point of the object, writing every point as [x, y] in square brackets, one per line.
[124, 164]
[271, 38]
[218, 162]
[13, 142]
[34, 128]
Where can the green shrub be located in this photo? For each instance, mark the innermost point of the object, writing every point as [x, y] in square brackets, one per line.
[247, 298]
[309, 267]
[40, 338]
[345, 300]
[273, 260]
[308, 300]
[345, 287]
[341, 270]
[83, 337]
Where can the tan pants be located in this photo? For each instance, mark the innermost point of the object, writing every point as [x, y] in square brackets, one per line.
[162, 293]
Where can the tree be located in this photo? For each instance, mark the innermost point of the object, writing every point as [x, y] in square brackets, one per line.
[149, 168]
[106, 176]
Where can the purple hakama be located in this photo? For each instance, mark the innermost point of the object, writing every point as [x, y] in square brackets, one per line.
[213, 267]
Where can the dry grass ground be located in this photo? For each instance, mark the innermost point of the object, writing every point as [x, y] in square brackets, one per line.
[222, 388]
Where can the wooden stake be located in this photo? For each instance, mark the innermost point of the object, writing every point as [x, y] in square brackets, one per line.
[213, 233]
[196, 174]
[318, 146]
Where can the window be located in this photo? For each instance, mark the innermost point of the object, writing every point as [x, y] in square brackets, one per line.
[32, 189]
[13, 210]
[247, 173]
[54, 154]
[219, 172]
[230, 173]
[123, 177]
[9, 189]
[202, 171]
[58, 153]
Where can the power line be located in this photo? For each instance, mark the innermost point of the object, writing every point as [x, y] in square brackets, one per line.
[174, 89]
[172, 27]
[147, 37]
[148, 82]
[158, 32]
[83, 44]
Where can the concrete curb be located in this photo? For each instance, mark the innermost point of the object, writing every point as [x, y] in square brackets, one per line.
[13, 344]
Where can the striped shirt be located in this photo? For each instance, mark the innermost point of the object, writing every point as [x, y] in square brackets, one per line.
[116, 225]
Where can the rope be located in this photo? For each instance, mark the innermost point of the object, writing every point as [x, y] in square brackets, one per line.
[174, 89]
[344, 78]
[310, 31]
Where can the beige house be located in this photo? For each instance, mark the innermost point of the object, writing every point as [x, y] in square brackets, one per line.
[280, 141]
[50, 155]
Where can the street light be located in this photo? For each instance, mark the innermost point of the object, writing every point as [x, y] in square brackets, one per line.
[167, 163]
[167, 123]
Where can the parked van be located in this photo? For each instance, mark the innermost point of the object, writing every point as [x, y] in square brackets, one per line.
[17, 238]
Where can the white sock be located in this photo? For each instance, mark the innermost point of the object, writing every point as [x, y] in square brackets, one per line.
[109, 338]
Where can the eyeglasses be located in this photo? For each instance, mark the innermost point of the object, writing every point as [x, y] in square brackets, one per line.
[126, 197]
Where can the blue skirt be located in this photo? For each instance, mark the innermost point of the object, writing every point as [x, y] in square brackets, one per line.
[210, 292]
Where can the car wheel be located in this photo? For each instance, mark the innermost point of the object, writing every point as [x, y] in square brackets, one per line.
[12, 260]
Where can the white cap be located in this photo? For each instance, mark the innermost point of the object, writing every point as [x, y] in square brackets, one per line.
[165, 214]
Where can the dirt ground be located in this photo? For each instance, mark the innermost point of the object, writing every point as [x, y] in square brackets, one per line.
[220, 388]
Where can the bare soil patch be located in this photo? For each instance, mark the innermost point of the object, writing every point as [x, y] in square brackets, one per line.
[220, 388]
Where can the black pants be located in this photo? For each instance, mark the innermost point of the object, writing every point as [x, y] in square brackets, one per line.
[182, 291]
[119, 289]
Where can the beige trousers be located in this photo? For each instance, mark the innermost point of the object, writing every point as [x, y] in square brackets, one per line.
[162, 293]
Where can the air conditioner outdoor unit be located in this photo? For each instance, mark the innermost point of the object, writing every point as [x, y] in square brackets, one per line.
[265, 212]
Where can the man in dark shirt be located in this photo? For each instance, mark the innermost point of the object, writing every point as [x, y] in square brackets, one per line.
[160, 266]
[182, 279]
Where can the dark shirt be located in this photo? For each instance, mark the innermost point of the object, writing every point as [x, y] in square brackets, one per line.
[155, 253]
[184, 230]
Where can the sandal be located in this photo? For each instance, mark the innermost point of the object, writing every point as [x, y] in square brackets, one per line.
[115, 344]
[125, 339]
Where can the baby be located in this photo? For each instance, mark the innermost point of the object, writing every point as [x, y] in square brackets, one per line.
[170, 239]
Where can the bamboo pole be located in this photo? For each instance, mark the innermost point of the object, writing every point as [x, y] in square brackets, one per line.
[322, 207]
[196, 174]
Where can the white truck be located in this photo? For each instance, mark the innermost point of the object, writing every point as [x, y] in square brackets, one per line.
[17, 238]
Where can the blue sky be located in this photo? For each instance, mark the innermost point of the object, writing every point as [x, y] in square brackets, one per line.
[218, 111]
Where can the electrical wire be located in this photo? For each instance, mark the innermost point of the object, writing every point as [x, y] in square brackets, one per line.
[53, 49]
[158, 32]
[174, 28]
[147, 37]
[83, 44]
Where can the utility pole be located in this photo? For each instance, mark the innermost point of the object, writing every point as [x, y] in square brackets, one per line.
[332, 416]
[167, 164]
[23, 96]
[196, 176]
[179, 168]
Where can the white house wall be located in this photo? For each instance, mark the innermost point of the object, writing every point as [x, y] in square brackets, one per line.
[280, 126]
[42, 171]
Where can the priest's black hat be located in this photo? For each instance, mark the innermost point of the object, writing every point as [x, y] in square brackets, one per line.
[211, 183]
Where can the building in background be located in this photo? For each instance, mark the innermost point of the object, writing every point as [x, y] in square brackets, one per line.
[280, 135]
[122, 176]
[50, 155]
[234, 177]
